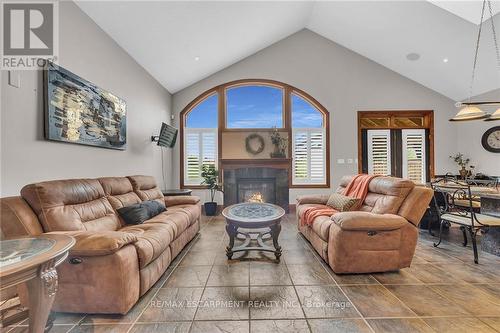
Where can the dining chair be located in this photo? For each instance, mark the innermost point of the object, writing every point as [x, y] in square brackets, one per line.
[463, 214]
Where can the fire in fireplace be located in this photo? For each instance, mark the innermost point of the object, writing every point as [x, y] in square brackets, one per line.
[256, 190]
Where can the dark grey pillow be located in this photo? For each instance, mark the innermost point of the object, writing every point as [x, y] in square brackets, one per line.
[134, 214]
[154, 207]
[140, 212]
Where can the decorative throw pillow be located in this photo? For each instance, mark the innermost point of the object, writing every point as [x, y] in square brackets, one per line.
[140, 212]
[134, 214]
[154, 207]
[342, 203]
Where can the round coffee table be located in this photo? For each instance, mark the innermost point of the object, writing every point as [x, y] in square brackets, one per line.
[261, 219]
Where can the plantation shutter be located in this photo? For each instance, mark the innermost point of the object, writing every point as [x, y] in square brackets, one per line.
[379, 152]
[414, 164]
[309, 156]
[200, 148]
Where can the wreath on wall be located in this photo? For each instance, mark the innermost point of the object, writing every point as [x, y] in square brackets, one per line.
[254, 144]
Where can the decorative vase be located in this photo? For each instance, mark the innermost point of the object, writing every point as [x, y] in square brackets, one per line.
[278, 153]
[463, 172]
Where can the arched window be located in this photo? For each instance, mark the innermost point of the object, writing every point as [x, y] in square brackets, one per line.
[260, 106]
[200, 138]
[308, 143]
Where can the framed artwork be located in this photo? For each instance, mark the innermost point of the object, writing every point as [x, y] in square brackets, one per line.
[77, 111]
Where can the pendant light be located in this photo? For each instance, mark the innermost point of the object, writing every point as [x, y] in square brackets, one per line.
[494, 116]
[471, 110]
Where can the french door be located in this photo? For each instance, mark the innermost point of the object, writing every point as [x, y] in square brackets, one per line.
[397, 152]
[396, 143]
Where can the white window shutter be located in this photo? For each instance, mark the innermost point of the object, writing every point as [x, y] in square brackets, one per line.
[200, 148]
[309, 156]
[414, 155]
[379, 152]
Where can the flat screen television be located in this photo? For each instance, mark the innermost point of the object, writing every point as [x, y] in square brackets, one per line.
[167, 137]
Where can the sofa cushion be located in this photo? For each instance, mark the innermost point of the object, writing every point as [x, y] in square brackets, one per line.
[193, 211]
[145, 187]
[98, 244]
[178, 220]
[119, 191]
[73, 204]
[385, 194]
[321, 226]
[152, 240]
[365, 221]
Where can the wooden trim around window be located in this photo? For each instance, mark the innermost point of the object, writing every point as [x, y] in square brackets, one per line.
[288, 90]
[427, 115]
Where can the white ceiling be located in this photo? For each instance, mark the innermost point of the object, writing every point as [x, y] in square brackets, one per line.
[468, 10]
[166, 37]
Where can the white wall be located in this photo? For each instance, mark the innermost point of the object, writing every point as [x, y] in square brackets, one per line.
[342, 81]
[90, 53]
[469, 135]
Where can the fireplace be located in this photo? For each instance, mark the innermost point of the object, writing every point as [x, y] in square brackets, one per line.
[256, 183]
[256, 190]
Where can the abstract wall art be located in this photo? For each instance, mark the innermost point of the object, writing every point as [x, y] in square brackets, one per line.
[77, 111]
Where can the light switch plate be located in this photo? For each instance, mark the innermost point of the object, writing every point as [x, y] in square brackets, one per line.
[340, 161]
[349, 161]
[15, 79]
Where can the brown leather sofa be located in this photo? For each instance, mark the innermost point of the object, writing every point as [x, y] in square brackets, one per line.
[380, 237]
[112, 264]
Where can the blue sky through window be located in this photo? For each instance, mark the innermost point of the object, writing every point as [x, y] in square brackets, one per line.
[304, 115]
[254, 107]
[204, 115]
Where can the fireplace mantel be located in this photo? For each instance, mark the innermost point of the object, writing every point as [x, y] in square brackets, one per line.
[279, 163]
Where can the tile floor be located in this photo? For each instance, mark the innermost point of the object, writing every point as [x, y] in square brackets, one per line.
[443, 291]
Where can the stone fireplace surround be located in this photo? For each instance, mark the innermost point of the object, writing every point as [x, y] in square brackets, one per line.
[253, 175]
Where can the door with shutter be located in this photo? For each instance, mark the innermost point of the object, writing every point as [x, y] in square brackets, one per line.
[414, 155]
[379, 152]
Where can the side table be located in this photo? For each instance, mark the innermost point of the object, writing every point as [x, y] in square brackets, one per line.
[33, 261]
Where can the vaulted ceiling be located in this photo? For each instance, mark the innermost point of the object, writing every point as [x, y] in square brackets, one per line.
[180, 43]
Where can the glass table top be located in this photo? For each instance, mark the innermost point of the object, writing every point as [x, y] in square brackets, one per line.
[250, 211]
[18, 250]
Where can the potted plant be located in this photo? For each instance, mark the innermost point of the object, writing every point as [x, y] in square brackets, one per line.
[210, 177]
[462, 162]
[280, 144]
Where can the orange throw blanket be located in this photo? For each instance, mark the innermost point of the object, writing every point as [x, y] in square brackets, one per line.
[357, 188]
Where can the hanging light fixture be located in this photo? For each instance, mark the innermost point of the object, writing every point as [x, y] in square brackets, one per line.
[471, 110]
[494, 116]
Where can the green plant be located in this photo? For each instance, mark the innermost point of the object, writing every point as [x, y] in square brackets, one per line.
[210, 177]
[460, 159]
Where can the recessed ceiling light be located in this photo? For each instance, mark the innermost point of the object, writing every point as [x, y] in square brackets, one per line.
[196, 58]
[413, 56]
[445, 60]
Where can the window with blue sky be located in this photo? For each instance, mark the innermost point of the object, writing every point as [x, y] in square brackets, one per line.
[254, 107]
[257, 106]
[203, 115]
[304, 115]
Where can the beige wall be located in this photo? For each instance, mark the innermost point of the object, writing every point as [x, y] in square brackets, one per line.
[342, 81]
[233, 145]
[90, 53]
[469, 136]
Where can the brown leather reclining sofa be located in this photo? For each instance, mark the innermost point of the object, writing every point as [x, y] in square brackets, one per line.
[381, 237]
[112, 264]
